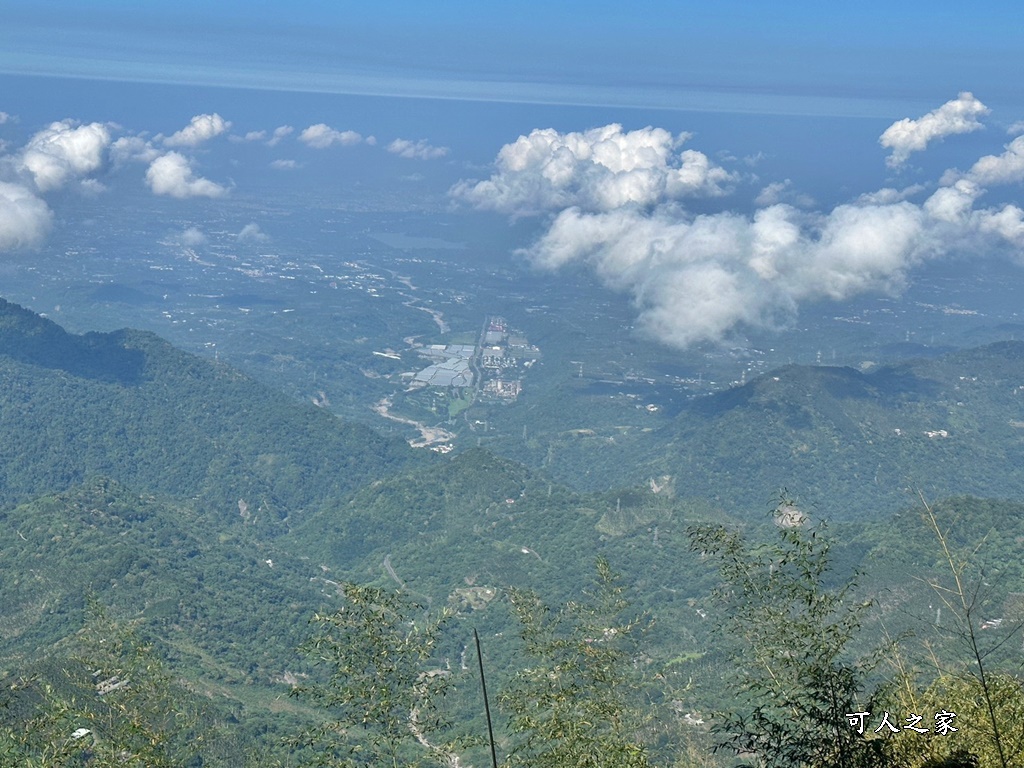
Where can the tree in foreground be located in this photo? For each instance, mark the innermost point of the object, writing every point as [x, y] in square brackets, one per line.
[576, 705]
[381, 696]
[113, 703]
[797, 677]
[971, 668]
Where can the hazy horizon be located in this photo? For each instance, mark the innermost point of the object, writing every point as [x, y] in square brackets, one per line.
[750, 162]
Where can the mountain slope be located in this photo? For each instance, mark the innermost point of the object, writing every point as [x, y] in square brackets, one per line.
[235, 512]
[201, 589]
[127, 405]
[856, 442]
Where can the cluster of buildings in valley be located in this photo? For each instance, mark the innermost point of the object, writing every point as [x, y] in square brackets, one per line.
[504, 355]
[451, 367]
[492, 368]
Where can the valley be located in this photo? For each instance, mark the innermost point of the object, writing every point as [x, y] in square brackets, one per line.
[217, 515]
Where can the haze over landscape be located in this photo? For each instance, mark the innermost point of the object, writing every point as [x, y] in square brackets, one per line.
[457, 300]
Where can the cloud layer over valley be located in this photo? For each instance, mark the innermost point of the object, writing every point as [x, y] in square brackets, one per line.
[703, 248]
[86, 157]
[616, 202]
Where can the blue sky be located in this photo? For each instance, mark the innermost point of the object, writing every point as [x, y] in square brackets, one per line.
[865, 58]
[718, 164]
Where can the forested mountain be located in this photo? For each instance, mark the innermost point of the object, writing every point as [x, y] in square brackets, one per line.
[129, 406]
[209, 589]
[178, 493]
[218, 517]
[856, 442]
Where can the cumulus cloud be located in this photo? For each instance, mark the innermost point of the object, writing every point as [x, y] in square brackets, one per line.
[172, 174]
[889, 195]
[91, 187]
[907, 136]
[6, 117]
[64, 151]
[201, 128]
[271, 140]
[25, 219]
[322, 136]
[1007, 168]
[596, 170]
[61, 153]
[281, 132]
[251, 233]
[618, 209]
[699, 278]
[754, 160]
[416, 150]
[132, 149]
[284, 165]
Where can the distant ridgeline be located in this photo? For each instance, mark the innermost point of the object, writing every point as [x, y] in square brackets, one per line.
[848, 442]
[859, 442]
[129, 406]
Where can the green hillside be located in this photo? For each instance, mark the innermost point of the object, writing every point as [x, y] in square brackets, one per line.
[218, 517]
[207, 592]
[129, 406]
[856, 442]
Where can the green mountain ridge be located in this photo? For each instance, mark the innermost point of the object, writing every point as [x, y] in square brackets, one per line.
[856, 442]
[128, 405]
[153, 559]
[221, 515]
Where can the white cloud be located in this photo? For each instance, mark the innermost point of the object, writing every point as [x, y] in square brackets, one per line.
[321, 136]
[699, 278]
[271, 140]
[252, 233]
[133, 149]
[782, 191]
[63, 151]
[24, 218]
[953, 204]
[1007, 223]
[284, 165]
[171, 174]
[907, 136]
[416, 150]
[6, 117]
[91, 187]
[201, 128]
[773, 193]
[888, 195]
[1007, 168]
[597, 170]
[192, 237]
[280, 133]
[754, 160]
[618, 209]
